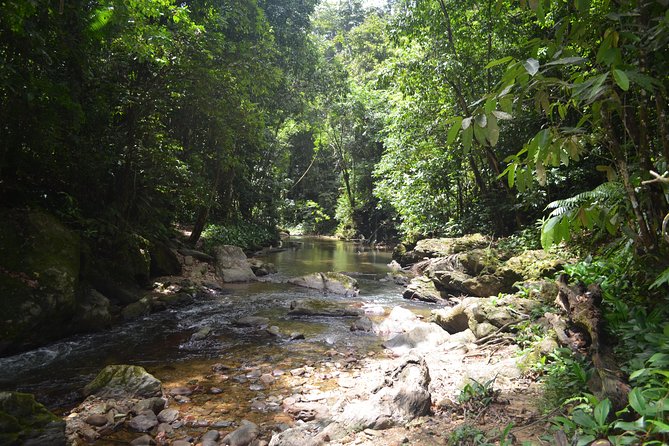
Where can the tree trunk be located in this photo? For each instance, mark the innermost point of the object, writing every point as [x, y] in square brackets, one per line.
[203, 211]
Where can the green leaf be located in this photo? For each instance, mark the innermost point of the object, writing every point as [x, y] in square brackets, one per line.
[637, 401]
[662, 427]
[466, 122]
[601, 412]
[454, 130]
[662, 279]
[583, 419]
[621, 79]
[638, 425]
[501, 61]
[531, 66]
[493, 130]
[481, 120]
[567, 61]
[481, 134]
[512, 174]
[467, 137]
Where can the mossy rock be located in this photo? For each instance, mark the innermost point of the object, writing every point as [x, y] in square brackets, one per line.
[25, 421]
[477, 261]
[442, 247]
[164, 261]
[124, 381]
[534, 264]
[39, 278]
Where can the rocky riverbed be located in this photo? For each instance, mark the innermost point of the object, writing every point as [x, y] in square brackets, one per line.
[402, 385]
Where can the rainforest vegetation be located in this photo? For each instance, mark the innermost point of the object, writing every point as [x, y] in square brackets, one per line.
[544, 121]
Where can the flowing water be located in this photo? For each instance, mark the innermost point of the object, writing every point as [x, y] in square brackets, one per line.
[161, 342]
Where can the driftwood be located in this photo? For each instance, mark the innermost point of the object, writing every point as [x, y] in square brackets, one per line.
[583, 334]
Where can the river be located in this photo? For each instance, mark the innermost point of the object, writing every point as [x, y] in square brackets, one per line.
[161, 342]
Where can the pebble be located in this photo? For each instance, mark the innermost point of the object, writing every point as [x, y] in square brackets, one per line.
[97, 419]
[183, 391]
[215, 390]
[267, 379]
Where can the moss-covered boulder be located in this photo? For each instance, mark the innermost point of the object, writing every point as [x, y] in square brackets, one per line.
[443, 247]
[164, 262]
[329, 282]
[124, 381]
[483, 315]
[533, 265]
[39, 278]
[24, 421]
[423, 289]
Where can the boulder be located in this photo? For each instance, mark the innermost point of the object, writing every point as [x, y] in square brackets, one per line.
[483, 315]
[124, 381]
[424, 289]
[402, 397]
[329, 282]
[143, 422]
[39, 278]
[164, 262]
[93, 312]
[424, 337]
[315, 307]
[261, 268]
[24, 421]
[456, 282]
[442, 247]
[242, 436]
[363, 324]
[136, 309]
[232, 265]
[533, 265]
[398, 321]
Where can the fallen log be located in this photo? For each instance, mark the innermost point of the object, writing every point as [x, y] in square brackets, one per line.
[582, 332]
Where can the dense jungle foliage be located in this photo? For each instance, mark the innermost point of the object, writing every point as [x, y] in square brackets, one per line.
[389, 121]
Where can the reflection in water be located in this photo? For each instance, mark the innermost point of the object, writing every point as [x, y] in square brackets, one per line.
[162, 341]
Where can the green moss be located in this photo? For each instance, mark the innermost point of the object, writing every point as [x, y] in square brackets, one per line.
[22, 417]
[39, 276]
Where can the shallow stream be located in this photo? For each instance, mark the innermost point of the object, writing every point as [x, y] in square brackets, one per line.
[161, 342]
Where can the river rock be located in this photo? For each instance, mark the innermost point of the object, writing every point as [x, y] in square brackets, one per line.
[399, 320]
[232, 265]
[362, 324]
[261, 268]
[329, 282]
[483, 315]
[155, 404]
[242, 436]
[24, 421]
[315, 307]
[201, 334]
[124, 381]
[425, 337]
[97, 419]
[93, 312]
[144, 421]
[424, 289]
[163, 260]
[168, 415]
[39, 278]
[144, 440]
[136, 309]
[403, 396]
[441, 247]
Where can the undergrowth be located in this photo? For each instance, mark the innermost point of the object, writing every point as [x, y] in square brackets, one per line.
[248, 236]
